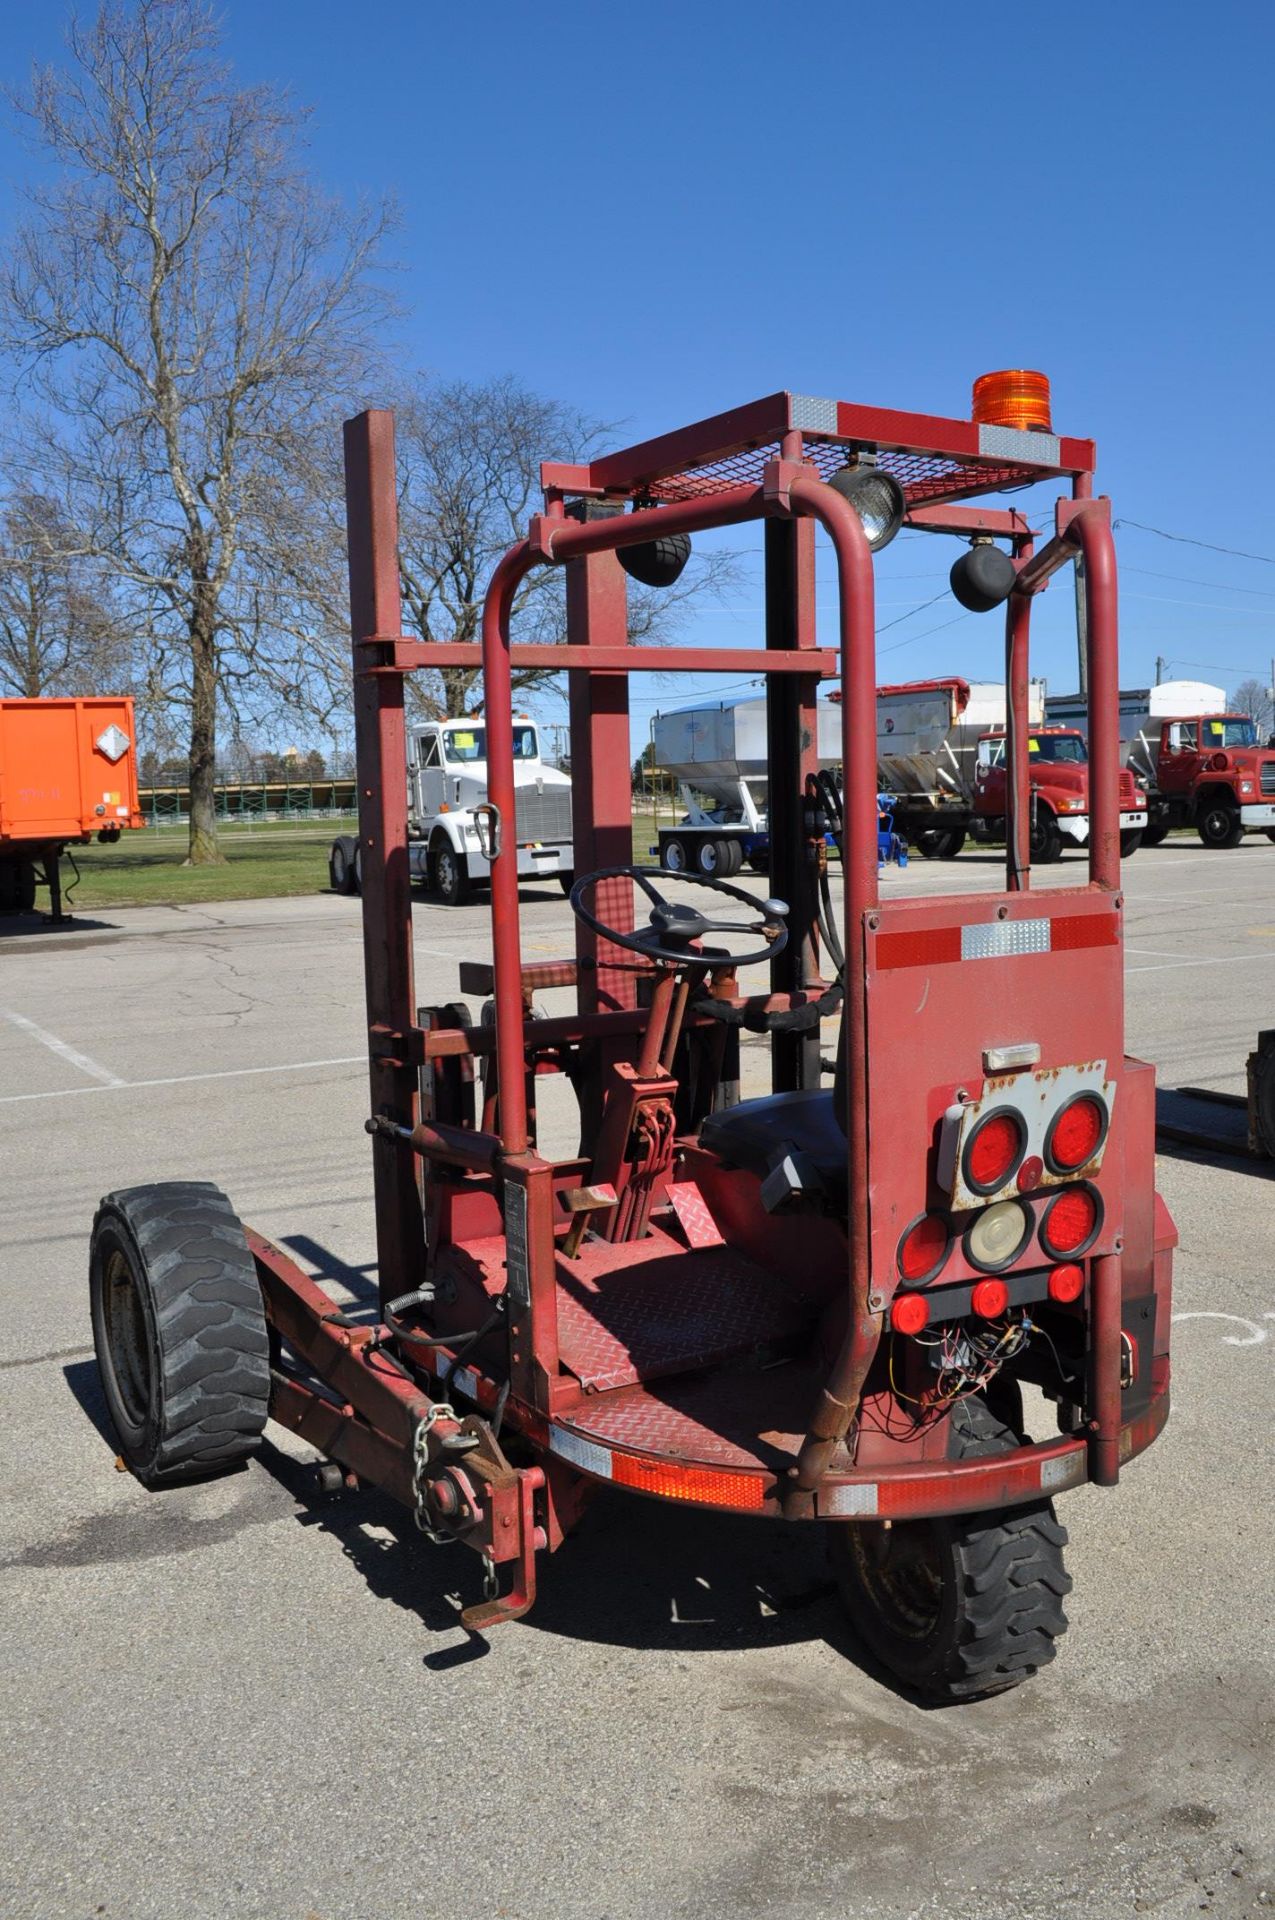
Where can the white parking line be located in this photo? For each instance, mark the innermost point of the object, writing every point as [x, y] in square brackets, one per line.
[182, 1079]
[1227, 960]
[72, 1055]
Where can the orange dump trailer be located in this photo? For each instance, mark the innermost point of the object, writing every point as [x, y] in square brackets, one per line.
[68, 772]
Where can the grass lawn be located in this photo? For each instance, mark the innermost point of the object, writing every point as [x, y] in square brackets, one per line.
[265, 860]
[144, 869]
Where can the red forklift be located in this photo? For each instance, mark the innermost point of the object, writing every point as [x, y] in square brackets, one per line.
[820, 1304]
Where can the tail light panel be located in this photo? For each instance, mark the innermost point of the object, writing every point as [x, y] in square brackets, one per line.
[1035, 1101]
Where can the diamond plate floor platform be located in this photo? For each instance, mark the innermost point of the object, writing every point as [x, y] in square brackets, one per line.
[746, 1418]
[651, 1308]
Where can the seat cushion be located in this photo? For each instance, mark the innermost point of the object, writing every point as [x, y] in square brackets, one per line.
[755, 1132]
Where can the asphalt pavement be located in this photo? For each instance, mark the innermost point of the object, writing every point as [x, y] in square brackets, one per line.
[240, 1699]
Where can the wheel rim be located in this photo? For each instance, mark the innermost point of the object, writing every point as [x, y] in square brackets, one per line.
[900, 1574]
[128, 1337]
[674, 858]
[1217, 823]
[338, 867]
[446, 871]
[708, 860]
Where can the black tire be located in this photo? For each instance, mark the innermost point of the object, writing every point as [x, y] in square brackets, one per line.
[713, 858]
[758, 863]
[339, 867]
[1046, 838]
[1154, 836]
[566, 881]
[964, 1607]
[734, 858]
[1219, 825]
[180, 1330]
[673, 856]
[8, 886]
[356, 869]
[449, 872]
[1130, 842]
[940, 843]
[1262, 1081]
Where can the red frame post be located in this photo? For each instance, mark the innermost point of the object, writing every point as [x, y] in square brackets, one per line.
[381, 741]
[601, 779]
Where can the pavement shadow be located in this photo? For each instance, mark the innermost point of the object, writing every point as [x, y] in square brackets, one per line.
[380, 1538]
[85, 1383]
[22, 926]
[633, 1575]
[358, 1281]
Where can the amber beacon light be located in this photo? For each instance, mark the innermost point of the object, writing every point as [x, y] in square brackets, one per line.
[1014, 397]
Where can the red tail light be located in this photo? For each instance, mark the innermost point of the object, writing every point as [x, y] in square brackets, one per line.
[993, 1151]
[923, 1248]
[1070, 1223]
[910, 1312]
[990, 1298]
[1077, 1132]
[1067, 1283]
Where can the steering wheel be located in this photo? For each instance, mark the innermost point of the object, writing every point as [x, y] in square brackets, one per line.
[673, 926]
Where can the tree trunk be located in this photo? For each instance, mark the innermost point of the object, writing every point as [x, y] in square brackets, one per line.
[204, 851]
[458, 684]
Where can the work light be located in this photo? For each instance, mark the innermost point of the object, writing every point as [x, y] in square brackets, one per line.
[876, 497]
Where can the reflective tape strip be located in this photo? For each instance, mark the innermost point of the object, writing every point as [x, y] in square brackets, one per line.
[814, 416]
[582, 1453]
[999, 938]
[1068, 1470]
[858, 1498]
[996, 940]
[1011, 443]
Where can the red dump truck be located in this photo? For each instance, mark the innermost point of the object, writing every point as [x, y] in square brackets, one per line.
[1200, 763]
[68, 773]
[941, 753]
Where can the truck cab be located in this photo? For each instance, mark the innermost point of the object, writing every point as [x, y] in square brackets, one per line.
[449, 845]
[450, 820]
[1058, 775]
[1213, 771]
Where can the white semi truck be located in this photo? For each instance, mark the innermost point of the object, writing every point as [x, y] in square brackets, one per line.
[718, 754]
[447, 786]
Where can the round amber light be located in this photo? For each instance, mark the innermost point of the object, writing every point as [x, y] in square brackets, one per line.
[1013, 397]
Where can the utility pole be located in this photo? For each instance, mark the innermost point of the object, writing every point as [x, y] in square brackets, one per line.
[1160, 664]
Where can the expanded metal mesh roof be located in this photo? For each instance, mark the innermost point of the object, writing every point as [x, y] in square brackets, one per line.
[923, 477]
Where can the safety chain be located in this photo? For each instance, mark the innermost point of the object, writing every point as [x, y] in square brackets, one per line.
[491, 1585]
[420, 1471]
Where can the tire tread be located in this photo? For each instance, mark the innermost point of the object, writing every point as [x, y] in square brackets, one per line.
[210, 1327]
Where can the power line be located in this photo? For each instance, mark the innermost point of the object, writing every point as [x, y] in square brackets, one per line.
[1189, 580]
[1188, 540]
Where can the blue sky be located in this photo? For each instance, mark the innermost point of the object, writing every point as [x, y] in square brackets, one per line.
[656, 212]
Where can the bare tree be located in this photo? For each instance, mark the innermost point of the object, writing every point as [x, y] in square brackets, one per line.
[469, 476]
[1253, 698]
[469, 459]
[191, 307]
[60, 631]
